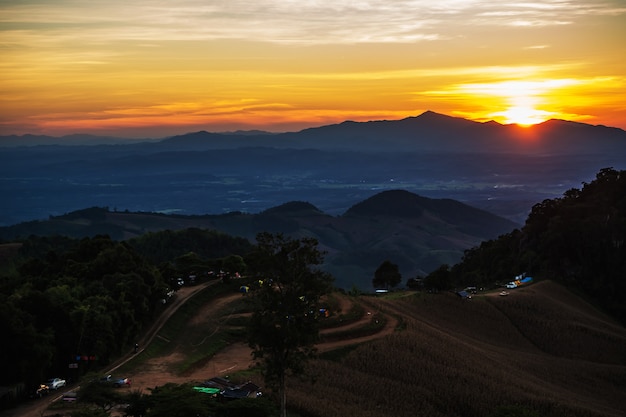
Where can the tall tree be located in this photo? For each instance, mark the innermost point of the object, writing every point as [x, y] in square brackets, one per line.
[284, 325]
[387, 275]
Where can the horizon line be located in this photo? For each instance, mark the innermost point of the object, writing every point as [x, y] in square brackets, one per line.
[251, 131]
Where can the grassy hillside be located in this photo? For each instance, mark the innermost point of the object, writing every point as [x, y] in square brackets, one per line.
[539, 350]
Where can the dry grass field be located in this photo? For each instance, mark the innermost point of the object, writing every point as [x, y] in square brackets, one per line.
[539, 349]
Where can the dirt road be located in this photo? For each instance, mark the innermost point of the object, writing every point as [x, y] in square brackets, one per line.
[236, 357]
[38, 407]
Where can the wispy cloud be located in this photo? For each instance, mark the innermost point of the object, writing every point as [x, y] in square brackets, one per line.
[281, 21]
[139, 62]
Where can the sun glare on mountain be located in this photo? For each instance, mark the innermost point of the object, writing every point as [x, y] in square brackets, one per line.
[524, 103]
[523, 98]
[523, 116]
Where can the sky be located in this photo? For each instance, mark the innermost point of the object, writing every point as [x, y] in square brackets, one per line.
[155, 68]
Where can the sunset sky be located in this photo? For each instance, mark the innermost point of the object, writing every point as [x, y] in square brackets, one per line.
[154, 68]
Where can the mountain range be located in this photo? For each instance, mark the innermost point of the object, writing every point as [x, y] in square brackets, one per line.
[504, 169]
[429, 131]
[417, 233]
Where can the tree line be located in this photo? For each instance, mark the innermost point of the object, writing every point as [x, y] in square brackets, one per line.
[578, 240]
[86, 301]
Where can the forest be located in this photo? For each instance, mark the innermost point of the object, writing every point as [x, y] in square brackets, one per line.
[87, 301]
[578, 240]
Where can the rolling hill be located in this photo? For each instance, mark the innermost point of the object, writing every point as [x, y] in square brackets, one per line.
[415, 232]
[541, 351]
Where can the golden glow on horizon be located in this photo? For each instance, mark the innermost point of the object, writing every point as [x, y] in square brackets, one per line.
[140, 68]
[524, 116]
[523, 99]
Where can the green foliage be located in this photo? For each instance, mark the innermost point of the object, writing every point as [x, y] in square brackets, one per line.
[387, 275]
[137, 404]
[87, 298]
[92, 297]
[439, 280]
[233, 264]
[167, 245]
[578, 240]
[102, 395]
[28, 351]
[284, 325]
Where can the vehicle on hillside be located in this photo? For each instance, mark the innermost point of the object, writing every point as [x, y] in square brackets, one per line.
[42, 390]
[115, 382]
[56, 383]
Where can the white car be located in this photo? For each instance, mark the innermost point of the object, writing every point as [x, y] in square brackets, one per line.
[55, 383]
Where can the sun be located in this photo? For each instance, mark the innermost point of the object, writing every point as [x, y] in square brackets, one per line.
[523, 99]
[524, 116]
[521, 102]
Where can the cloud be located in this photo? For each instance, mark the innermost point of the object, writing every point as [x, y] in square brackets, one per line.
[282, 21]
[194, 60]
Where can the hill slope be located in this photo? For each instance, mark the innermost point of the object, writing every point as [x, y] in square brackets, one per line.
[428, 233]
[541, 349]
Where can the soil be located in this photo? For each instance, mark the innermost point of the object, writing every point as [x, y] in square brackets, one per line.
[235, 357]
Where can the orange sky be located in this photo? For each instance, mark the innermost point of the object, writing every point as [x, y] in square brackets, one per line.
[151, 68]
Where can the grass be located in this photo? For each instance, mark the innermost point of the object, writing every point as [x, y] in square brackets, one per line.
[175, 334]
[477, 358]
[540, 352]
[355, 314]
[376, 323]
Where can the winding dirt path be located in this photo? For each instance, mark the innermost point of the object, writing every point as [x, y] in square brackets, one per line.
[236, 357]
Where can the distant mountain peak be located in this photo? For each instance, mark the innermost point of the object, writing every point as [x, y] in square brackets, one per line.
[293, 207]
[253, 132]
[430, 115]
[396, 203]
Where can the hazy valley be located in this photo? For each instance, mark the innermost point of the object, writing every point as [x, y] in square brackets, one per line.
[504, 169]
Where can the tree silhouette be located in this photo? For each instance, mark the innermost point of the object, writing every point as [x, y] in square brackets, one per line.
[284, 325]
[387, 275]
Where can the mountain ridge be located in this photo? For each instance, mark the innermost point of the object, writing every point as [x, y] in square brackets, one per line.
[501, 168]
[438, 231]
[427, 120]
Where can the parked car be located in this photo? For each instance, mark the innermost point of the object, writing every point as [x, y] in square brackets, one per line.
[115, 382]
[56, 383]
